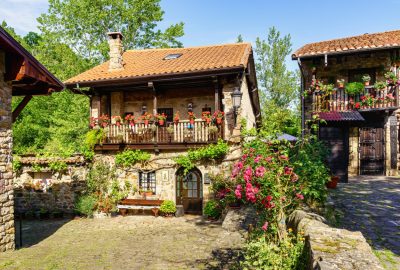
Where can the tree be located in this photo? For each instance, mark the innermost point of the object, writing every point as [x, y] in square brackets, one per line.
[277, 83]
[82, 25]
[239, 38]
[279, 86]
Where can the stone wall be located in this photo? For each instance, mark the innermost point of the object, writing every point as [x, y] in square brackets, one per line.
[6, 175]
[165, 169]
[37, 187]
[331, 248]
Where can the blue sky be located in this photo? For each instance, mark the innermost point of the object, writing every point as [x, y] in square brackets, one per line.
[221, 21]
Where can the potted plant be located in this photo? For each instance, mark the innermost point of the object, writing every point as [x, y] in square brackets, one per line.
[380, 85]
[366, 79]
[146, 193]
[161, 118]
[146, 117]
[117, 120]
[213, 129]
[390, 98]
[340, 83]
[176, 118]
[168, 208]
[354, 88]
[333, 182]
[212, 210]
[170, 129]
[390, 77]
[129, 118]
[206, 116]
[104, 120]
[191, 117]
[218, 117]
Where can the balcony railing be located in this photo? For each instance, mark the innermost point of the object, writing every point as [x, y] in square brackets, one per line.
[181, 132]
[371, 99]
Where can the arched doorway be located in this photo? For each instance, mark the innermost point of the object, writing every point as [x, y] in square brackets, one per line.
[189, 191]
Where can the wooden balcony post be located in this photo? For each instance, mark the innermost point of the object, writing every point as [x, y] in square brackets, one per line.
[216, 94]
[151, 85]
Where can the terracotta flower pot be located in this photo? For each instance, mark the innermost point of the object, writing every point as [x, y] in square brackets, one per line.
[333, 183]
[161, 122]
[366, 83]
[219, 121]
[191, 121]
[341, 85]
[146, 122]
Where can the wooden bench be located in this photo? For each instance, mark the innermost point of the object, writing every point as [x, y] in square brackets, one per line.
[126, 204]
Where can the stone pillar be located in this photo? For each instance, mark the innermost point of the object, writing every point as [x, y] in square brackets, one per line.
[117, 104]
[353, 151]
[6, 175]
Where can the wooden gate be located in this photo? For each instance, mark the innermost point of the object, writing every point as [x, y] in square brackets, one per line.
[336, 139]
[372, 151]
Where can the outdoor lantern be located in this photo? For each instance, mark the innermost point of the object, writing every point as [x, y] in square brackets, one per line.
[236, 98]
[144, 109]
[236, 101]
[190, 107]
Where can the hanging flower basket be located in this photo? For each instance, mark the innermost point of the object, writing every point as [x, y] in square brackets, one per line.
[130, 119]
[191, 117]
[176, 118]
[161, 118]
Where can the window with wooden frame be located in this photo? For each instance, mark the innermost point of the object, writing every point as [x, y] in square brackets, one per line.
[147, 181]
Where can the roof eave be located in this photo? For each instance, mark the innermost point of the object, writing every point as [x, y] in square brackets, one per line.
[295, 57]
[157, 77]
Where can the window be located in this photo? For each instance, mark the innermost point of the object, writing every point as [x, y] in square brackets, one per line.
[147, 181]
[172, 56]
[206, 109]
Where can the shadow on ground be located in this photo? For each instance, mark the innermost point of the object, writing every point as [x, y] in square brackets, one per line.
[222, 259]
[371, 204]
[35, 231]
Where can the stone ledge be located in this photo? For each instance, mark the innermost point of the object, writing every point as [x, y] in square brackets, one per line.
[331, 248]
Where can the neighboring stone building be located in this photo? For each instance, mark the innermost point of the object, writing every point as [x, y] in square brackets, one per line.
[155, 81]
[361, 129]
[20, 74]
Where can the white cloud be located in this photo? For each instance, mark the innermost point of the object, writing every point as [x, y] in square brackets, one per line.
[22, 14]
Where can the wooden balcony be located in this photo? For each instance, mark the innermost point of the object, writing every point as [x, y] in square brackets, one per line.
[371, 99]
[179, 135]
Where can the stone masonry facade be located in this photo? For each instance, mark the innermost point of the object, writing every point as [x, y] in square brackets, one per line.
[338, 68]
[6, 174]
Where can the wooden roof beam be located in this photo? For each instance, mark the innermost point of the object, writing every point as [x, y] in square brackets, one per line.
[20, 107]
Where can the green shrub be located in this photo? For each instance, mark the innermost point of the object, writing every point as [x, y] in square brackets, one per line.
[58, 166]
[94, 136]
[168, 207]
[130, 157]
[16, 164]
[289, 254]
[354, 88]
[212, 209]
[86, 205]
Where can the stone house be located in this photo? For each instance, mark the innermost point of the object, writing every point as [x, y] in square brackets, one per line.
[361, 128]
[173, 82]
[20, 75]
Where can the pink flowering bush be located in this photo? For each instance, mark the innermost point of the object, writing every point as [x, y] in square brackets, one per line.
[267, 177]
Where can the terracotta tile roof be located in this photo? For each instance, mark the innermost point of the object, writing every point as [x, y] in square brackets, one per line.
[381, 40]
[341, 116]
[150, 62]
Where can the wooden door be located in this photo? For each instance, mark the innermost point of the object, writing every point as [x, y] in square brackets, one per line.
[189, 191]
[337, 141]
[371, 148]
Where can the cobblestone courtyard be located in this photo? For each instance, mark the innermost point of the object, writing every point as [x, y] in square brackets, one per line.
[372, 206]
[132, 242]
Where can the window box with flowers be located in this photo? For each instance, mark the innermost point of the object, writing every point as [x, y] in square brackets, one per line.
[218, 117]
[104, 120]
[146, 118]
[130, 119]
[161, 118]
[191, 117]
[206, 116]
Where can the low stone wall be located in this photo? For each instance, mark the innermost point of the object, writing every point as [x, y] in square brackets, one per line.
[37, 187]
[331, 248]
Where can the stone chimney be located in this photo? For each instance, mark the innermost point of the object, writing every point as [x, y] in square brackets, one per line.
[116, 51]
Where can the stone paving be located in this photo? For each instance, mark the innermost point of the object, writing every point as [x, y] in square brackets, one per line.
[132, 242]
[372, 205]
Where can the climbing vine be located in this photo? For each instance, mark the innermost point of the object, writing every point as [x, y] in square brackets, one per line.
[129, 157]
[207, 153]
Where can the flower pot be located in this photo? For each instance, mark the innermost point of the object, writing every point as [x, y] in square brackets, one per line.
[191, 121]
[146, 122]
[219, 121]
[161, 122]
[333, 183]
[341, 85]
[366, 83]
[147, 193]
[208, 120]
